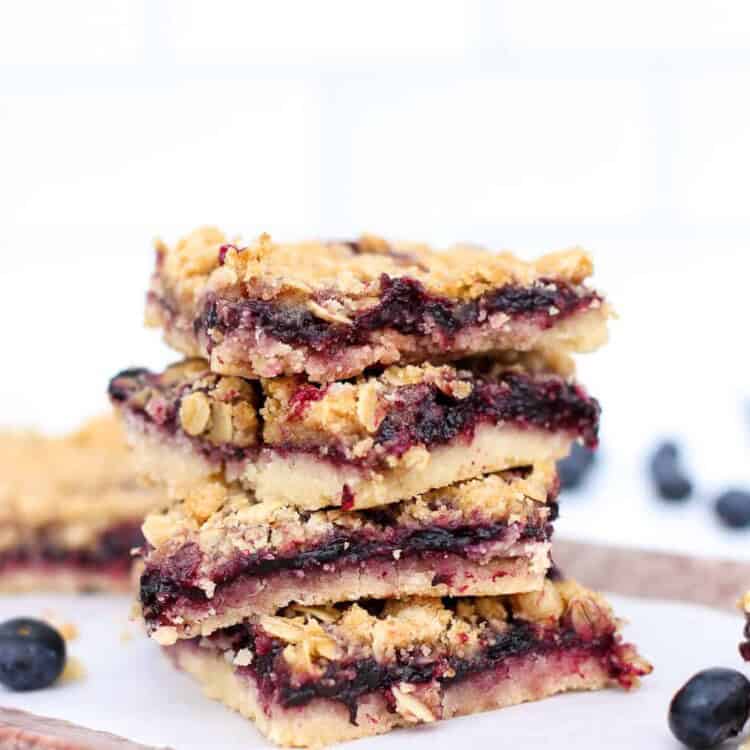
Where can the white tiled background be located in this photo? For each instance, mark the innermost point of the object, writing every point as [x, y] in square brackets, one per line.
[530, 124]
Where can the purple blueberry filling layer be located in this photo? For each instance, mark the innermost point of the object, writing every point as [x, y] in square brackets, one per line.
[405, 306]
[109, 554]
[346, 682]
[423, 414]
[165, 584]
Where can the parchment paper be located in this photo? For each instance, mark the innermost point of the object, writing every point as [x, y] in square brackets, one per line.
[132, 690]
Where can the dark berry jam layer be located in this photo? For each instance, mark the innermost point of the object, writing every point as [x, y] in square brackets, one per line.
[422, 414]
[110, 553]
[346, 682]
[405, 306]
[165, 585]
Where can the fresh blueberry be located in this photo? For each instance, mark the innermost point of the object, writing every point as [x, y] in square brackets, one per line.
[667, 473]
[710, 707]
[32, 654]
[733, 508]
[573, 469]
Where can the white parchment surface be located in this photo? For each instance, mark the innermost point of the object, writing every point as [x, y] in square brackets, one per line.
[132, 690]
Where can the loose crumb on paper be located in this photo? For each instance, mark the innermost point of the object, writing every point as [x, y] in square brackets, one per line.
[68, 630]
[74, 670]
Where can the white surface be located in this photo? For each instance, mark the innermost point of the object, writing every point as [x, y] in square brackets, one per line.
[130, 689]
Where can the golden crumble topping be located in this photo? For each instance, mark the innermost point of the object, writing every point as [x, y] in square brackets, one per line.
[317, 635]
[217, 408]
[304, 270]
[75, 486]
[242, 525]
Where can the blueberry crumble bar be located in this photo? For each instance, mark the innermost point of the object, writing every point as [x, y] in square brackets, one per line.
[331, 310]
[354, 444]
[483, 536]
[744, 606]
[70, 510]
[311, 676]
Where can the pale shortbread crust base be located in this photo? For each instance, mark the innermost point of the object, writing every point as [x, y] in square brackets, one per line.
[320, 484]
[323, 722]
[373, 580]
[303, 480]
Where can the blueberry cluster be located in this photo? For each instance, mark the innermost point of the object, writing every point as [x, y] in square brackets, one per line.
[673, 483]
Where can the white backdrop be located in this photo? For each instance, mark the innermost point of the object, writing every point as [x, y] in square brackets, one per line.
[523, 124]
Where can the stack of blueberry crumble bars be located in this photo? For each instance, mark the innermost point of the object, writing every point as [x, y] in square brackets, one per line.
[359, 454]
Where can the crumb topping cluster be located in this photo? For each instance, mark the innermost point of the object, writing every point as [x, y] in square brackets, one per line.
[337, 279]
[459, 628]
[216, 408]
